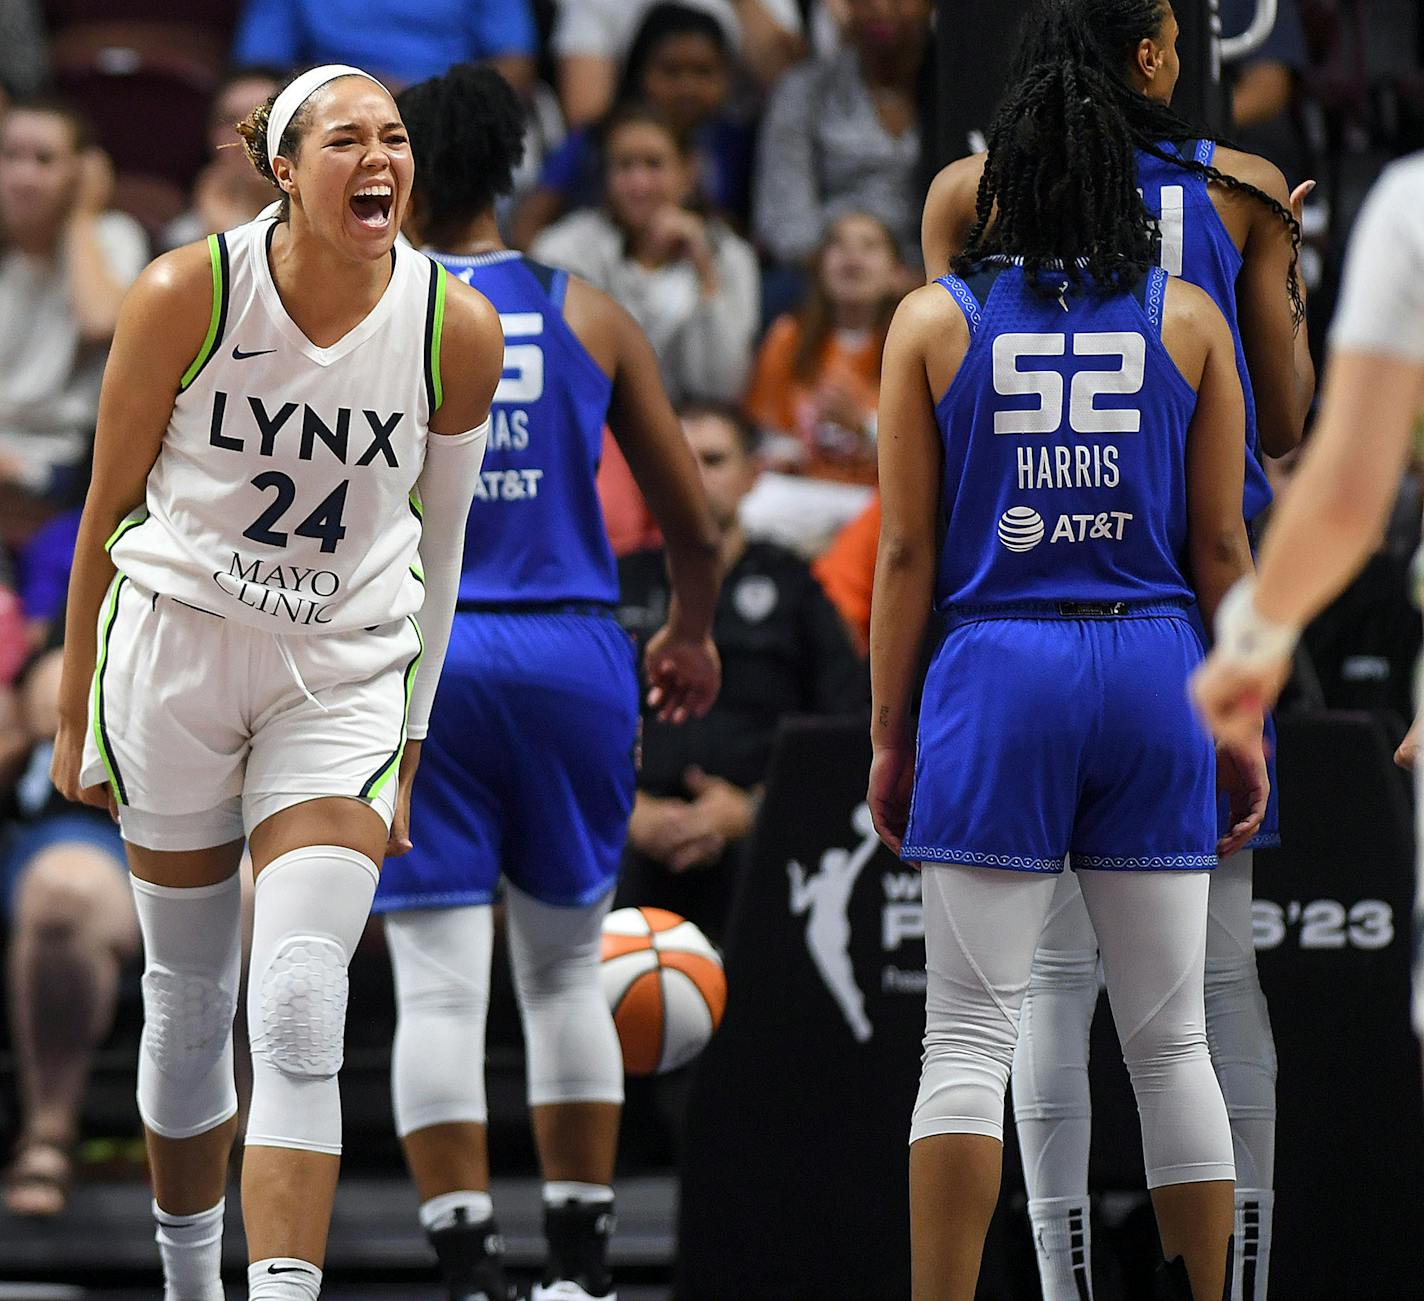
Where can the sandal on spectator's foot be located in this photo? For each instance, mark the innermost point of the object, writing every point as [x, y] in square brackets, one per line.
[37, 1183]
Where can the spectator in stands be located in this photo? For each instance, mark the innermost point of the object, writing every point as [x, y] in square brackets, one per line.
[228, 190]
[680, 63]
[842, 134]
[65, 891]
[783, 651]
[689, 281]
[592, 39]
[816, 385]
[65, 264]
[408, 41]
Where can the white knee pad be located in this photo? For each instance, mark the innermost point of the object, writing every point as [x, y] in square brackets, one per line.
[981, 930]
[1238, 1025]
[1151, 927]
[441, 962]
[192, 943]
[310, 908]
[572, 1047]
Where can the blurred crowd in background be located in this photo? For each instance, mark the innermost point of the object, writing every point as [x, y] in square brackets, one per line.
[746, 177]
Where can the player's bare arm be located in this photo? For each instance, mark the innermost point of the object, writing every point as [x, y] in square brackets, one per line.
[683, 670]
[949, 213]
[1277, 350]
[162, 325]
[927, 342]
[472, 358]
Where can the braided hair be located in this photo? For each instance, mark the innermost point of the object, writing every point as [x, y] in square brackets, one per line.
[1060, 184]
[1102, 35]
[466, 131]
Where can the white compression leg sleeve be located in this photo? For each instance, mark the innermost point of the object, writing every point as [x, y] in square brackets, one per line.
[1052, 1105]
[981, 928]
[309, 911]
[572, 1047]
[192, 944]
[1243, 1050]
[440, 958]
[1151, 928]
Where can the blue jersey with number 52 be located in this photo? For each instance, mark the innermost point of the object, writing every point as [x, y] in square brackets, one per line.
[1064, 436]
[1198, 247]
[536, 532]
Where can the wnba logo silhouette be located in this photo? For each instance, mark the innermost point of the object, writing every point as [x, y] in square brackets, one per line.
[825, 898]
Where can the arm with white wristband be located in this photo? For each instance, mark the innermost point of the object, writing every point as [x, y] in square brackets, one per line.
[1330, 521]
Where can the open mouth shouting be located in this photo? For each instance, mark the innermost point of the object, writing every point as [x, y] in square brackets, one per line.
[371, 205]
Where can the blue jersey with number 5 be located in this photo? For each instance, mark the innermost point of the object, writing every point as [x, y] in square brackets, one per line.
[536, 532]
[1064, 437]
[1198, 247]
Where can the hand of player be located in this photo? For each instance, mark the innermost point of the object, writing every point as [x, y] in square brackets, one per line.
[683, 675]
[1408, 753]
[892, 778]
[1231, 700]
[1298, 198]
[399, 841]
[1241, 773]
[65, 765]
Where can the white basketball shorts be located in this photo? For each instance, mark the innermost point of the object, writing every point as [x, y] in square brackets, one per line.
[195, 714]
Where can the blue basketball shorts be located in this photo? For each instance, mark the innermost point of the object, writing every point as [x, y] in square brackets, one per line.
[527, 771]
[1046, 737]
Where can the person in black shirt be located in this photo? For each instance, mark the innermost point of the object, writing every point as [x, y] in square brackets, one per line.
[784, 651]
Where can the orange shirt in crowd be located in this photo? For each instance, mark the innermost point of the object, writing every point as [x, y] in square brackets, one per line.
[782, 402]
[846, 569]
[630, 524]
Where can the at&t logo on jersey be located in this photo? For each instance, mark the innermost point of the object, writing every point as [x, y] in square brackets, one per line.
[1021, 528]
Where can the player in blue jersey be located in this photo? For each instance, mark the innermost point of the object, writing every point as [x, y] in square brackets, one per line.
[528, 766]
[1226, 224]
[1061, 476]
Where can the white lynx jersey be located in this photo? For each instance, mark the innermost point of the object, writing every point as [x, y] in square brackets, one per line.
[282, 492]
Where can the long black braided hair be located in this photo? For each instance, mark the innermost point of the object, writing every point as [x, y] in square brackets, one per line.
[1103, 35]
[1060, 183]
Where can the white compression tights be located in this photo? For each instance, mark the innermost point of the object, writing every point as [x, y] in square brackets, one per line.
[441, 959]
[1050, 1080]
[982, 927]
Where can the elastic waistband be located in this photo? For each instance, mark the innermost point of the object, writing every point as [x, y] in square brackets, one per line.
[956, 615]
[599, 608]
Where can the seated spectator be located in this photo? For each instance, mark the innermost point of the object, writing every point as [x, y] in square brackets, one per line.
[783, 651]
[593, 39]
[229, 191]
[64, 267]
[65, 891]
[681, 64]
[689, 281]
[842, 134]
[816, 385]
[400, 41]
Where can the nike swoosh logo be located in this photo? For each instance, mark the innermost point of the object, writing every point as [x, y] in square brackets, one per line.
[287, 1269]
[239, 355]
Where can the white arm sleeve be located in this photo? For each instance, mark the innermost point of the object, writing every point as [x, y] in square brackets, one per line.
[446, 487]
[1382, 293]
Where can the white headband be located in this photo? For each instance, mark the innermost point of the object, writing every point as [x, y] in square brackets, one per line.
[297, 94]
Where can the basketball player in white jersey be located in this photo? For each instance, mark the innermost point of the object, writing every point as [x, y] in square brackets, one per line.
[1340, 497]
[281, 405]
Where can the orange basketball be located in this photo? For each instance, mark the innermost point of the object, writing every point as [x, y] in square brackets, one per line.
[665, 986]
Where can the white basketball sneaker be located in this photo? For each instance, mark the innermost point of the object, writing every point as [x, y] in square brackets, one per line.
[567, 1290]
